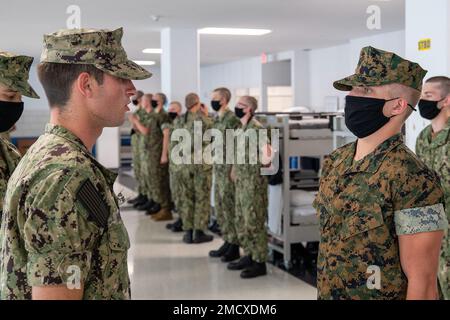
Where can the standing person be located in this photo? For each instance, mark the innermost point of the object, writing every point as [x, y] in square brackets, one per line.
[381, 209]
[250, 196]
[433, 148]
[14, 74]
[136, 151]
[63, 236]
[174, 169]
[158, 160]
[142, 124]
[224, 204]
[195, 178]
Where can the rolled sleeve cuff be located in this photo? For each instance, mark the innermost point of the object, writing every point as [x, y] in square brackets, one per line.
[423, 219]
[52, 269]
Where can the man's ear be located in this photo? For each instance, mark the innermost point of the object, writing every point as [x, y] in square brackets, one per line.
[84, 84]
[446, 102]
[398, 106]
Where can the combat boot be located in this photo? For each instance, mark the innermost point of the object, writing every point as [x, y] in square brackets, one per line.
[241, 264]
[140, 202]
[221, 251]
[163, 215]
[137, 199]
[231, 254]
[201, 237]
[177, 226]
[187, 238]
[256, 269]
[154, 209]
[146, 206]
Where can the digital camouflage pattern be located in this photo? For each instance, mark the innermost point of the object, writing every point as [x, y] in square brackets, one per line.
[251, 199]
[363, 207]
[98, 47]
[157, 174]
[14, 73]
[435, 152]
[49, 227]
[224, 195]
[9, 158]
[194, 181]
[174, 169]
[137, 150]
[377, 67]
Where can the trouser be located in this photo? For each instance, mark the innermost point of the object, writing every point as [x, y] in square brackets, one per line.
[224, 203]
[137, 167]
[158, 180]
[174, 176]
[194, 196]
[251, 216]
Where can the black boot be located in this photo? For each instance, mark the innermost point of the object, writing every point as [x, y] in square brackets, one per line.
[231, 254]
[241, 264]
[143, 200]
[154, 209]
[139, 198]
[146, 205]
[201, 237]
[177, 226]
[187, 238]
[255, 270]
[221, 251]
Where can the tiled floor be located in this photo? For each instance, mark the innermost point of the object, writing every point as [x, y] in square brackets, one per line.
[161, 266]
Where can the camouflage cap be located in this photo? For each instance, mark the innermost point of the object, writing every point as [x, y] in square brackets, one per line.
[98, 47]
[14, 73]
[377, 67]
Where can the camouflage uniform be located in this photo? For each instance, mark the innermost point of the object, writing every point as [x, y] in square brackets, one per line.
[14, 73]
[136, 148]
[61, 216]
[224, 202]
[174, 169]
[435, 152]
[158, 174]
[251, 200]
[365, 205]
[194, 181]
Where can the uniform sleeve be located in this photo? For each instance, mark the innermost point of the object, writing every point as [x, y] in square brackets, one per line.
[58, 235]
[165, 122]
[419, 145]
[327, 163]
[418, 201]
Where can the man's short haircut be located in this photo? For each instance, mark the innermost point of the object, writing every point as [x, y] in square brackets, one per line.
[57, 80]
[163, 97]
[252, 102]
[224, 93]
[444, 83]
[191, 100]
[177, 103]
[412, 96]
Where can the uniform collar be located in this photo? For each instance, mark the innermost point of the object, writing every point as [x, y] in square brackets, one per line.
[64, 133]
[371, 162]
[441, 137]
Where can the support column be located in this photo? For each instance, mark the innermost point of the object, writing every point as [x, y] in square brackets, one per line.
[426, 20]
[180, 63]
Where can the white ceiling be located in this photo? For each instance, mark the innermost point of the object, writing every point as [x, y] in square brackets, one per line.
[304, 24]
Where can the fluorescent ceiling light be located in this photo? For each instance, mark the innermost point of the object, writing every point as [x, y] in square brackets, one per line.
[154, 50]
[235, 31]
[144, 62]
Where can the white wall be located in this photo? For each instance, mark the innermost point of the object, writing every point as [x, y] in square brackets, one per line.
[244, 73]
[434, 24]
[330, 64]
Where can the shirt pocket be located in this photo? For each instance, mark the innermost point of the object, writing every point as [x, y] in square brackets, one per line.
[361, 225]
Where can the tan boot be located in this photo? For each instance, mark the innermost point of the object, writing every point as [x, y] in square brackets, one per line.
[163, 215]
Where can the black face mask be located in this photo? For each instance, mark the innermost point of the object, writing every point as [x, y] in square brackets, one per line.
[429, 109]
[10, 113]
[173, 115]
[154, 104]
[239, 112]
[215, 104]
[364, 116]
[135, 102]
